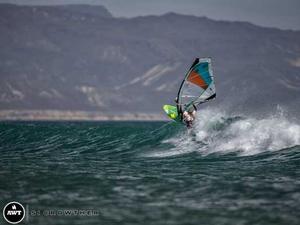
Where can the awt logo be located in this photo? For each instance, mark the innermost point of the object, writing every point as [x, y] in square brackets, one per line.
[13, 212]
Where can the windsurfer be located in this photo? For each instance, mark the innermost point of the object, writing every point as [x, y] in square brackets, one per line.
[189, 117]
[196, 88]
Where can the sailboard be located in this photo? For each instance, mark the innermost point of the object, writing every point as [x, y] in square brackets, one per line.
[197, 87]
[172, 112]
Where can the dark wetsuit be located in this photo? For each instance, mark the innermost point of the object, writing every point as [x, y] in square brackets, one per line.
[189, 117]
[189, 124]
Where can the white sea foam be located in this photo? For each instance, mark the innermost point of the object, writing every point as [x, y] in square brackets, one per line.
[217, 132]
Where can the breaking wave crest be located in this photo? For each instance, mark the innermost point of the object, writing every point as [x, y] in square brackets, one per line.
[217, 132]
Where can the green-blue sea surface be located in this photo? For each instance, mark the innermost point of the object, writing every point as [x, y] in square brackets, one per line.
[228, 171]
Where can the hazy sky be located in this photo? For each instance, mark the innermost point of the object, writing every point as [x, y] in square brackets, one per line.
[273, 13]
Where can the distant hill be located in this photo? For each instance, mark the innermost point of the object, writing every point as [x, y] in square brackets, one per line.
[80, 57]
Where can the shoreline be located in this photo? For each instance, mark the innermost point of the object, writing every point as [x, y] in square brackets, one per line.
[68, 115]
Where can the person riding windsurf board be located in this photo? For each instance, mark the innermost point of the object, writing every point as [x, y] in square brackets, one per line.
[196, 88]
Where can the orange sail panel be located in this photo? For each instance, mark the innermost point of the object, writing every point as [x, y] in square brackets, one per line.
[196, 79]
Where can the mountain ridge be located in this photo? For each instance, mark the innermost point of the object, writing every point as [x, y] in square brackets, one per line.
[112, 64]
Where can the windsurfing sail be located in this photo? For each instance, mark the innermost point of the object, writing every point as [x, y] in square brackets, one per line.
[197, 87]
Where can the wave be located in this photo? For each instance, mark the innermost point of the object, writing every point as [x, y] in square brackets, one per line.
[218, 132]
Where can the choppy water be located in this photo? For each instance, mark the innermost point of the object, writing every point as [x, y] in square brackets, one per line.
[229, 170]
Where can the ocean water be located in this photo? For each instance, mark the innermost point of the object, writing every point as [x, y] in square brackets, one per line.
[227, 170]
